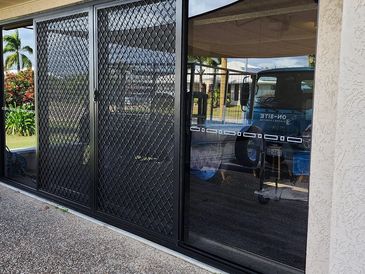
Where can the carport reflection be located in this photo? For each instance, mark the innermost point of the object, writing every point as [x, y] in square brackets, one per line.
[249, 133]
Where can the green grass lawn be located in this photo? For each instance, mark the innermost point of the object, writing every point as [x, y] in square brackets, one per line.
[15, 141]
[232, 113]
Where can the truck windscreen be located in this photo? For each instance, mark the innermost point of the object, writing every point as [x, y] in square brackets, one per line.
[284, 91]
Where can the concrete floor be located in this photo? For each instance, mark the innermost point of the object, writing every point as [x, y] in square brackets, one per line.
[36, 237]
[229, 214]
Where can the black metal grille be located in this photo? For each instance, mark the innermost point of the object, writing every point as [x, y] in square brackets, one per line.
[136, 78]
[63, 107]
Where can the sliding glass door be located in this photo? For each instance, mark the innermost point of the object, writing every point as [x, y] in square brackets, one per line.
[250, 81]
[19, 105]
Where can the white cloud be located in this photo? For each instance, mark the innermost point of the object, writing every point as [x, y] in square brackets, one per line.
[280, 62]
[239, 64]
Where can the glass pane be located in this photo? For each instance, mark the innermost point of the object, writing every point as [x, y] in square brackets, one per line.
[20, 126]
[250, 81]
[197, 7]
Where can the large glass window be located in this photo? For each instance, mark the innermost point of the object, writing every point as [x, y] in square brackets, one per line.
[250, 81]
[19, 108]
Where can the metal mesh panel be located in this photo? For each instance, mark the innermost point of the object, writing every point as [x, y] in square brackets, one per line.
[63, 107]
[136, 62]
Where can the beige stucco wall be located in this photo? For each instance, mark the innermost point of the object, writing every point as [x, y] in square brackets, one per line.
[347, 250]
[324, 132]
[336, 235]
[33, 6]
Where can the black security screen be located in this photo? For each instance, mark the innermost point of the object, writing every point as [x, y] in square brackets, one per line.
[63, 107]
[136, 87]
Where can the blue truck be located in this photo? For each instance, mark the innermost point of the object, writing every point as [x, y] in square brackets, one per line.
[274, 129]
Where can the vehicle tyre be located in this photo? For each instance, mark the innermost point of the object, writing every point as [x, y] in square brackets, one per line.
[248, 150]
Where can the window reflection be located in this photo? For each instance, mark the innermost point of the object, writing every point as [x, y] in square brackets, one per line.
[197, 7]
[20, 127]
[250, 81]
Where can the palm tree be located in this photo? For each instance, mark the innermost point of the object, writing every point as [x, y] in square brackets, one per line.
[16, 57]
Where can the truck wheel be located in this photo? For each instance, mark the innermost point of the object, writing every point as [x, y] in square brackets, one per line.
[248, 150]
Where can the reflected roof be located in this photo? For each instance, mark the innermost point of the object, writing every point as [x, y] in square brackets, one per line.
[255, 28]
[293, 69]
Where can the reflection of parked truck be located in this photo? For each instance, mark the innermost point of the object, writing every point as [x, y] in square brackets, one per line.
[275, 127]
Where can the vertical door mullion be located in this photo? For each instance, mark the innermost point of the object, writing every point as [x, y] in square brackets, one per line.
[63, 96]
[136, 182]
[179, 120]
[2, 114]
[36, 107]
[92, 74]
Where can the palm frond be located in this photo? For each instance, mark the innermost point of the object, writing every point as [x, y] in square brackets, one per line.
[9, 48]
[26, 63]
[11, 60]
[205, 60]
[13, 39]
[27, 49]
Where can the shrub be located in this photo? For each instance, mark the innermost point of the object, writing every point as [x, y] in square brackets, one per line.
[216, 97]
[19, 88]
[20, 120]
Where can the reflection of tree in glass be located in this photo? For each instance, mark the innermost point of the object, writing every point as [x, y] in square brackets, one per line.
[202, 60]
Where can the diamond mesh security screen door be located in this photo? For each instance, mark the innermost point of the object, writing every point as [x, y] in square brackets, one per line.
[135, 81]
[132, 146]
[63, 107]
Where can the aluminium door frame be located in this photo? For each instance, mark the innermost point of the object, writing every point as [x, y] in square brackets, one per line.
[47, 17]
[94, 91]
[179, 122]
[91, 9]
[178, 114]
[2, 113]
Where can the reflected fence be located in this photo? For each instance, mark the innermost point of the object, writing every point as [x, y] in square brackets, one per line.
[216, 93]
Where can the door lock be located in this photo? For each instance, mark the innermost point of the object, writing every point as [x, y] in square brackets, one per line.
[96, 95]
